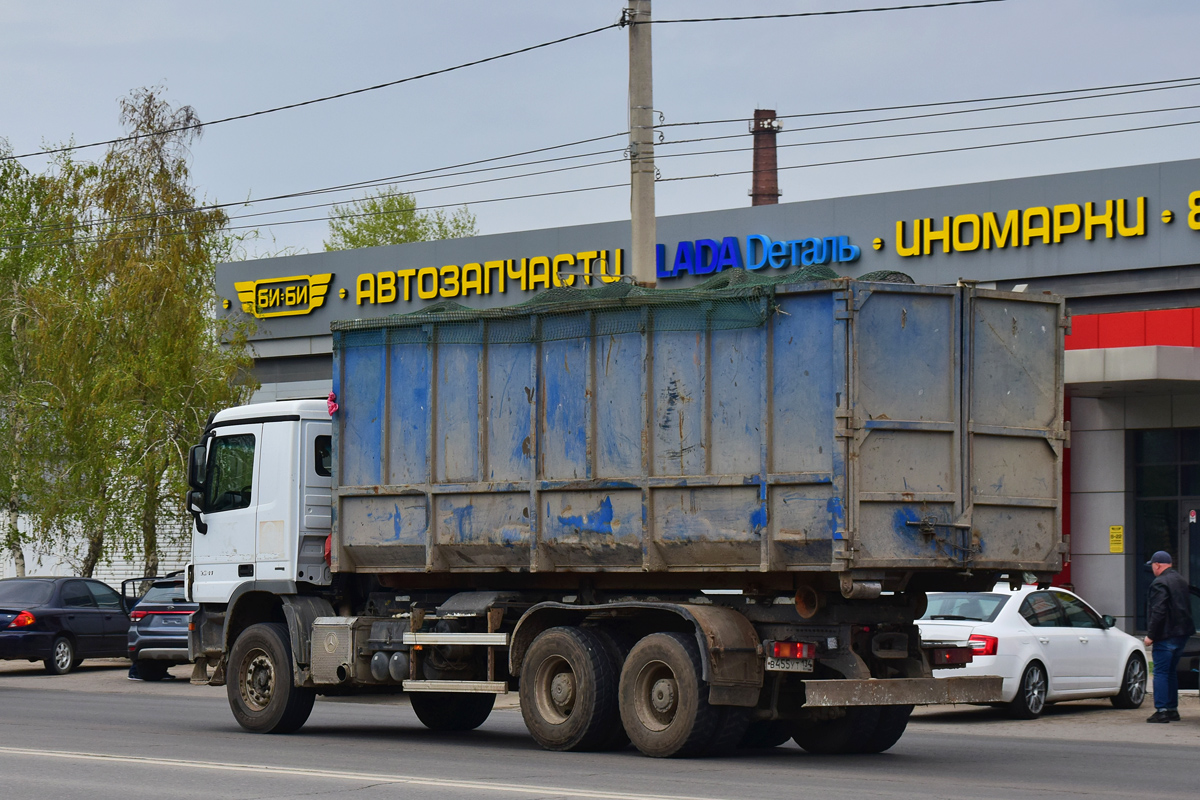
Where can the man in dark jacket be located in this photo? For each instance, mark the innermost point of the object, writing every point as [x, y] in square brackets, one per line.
[1168, 626]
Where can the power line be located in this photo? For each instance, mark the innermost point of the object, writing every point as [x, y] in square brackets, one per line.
[314, 100]
[110, 221]
[820, 13]
[907, 134]
[941, 151]
[964, 102]
[1065, 137]
[426, 174]
[154, 234]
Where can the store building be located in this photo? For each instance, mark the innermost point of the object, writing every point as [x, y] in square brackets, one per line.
[1121, 245]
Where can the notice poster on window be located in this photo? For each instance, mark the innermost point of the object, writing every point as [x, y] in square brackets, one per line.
[1116, 538]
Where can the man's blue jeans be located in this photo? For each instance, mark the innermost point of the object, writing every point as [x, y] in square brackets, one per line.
[1166, 676]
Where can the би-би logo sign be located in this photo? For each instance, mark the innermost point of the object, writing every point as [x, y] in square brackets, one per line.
[283, 297]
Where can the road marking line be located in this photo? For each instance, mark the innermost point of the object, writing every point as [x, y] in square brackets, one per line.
[412, 780]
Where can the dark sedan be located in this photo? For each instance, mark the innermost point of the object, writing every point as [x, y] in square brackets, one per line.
[60, 621]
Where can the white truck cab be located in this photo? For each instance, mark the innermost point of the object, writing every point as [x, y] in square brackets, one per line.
[261, 490]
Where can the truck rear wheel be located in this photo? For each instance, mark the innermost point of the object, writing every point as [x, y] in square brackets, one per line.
[569, 682]
[767, 733]
[663, 701]
[849, 733]
[888, 730]
[448, 712]
[260, 685]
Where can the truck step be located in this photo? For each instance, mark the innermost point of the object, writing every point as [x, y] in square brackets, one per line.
[488, 639]
[474, 687]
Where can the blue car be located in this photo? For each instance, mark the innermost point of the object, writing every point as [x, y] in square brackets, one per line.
[158, 633]
[61, 621]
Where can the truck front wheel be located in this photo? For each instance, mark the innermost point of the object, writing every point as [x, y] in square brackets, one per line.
[261, 688]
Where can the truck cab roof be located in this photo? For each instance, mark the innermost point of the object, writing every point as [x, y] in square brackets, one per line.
[263, 412]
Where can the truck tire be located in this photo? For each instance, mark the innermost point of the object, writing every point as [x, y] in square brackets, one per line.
[663, 701]
[767, 733]
[150, 670]
[451, 712]
[618, 644]
[732, 723]
[849, 733]
[1031, 693]
[260, 684]
[569, 690]
[1133, 684]
[888, 730]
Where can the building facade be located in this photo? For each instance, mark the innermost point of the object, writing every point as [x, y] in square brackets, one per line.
[1121, 245]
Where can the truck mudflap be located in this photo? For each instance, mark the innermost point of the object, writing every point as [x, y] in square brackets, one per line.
[902, 691]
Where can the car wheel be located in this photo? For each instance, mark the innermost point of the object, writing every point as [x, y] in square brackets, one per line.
[151, 670]
[260, 686]
[1133, 684]
[62, 657]
[1031, 693]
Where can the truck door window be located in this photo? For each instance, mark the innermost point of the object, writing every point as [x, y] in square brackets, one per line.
[230, 473]
[323, 452]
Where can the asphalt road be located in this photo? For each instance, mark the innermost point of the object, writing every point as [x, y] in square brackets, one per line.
[94, 735]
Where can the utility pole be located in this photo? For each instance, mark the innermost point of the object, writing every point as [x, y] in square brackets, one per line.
[641, 143]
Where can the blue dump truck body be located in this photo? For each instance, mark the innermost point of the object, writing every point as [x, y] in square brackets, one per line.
[873, 430]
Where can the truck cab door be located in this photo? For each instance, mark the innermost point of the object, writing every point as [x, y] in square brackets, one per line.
[224, 557]
[316, 473]
[275, 556]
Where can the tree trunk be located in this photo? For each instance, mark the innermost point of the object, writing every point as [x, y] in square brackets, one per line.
[95, 549]
[151, 500]
[13, 538]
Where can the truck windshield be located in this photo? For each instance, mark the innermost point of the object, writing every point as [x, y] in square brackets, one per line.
[25, 592]
[976, 606]
[230, 473]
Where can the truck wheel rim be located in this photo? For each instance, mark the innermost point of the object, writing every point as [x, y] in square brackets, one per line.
[1135, 681]
[555, 690]
[258, 680]
[656, 697]
[1035, 690]
[62, 655]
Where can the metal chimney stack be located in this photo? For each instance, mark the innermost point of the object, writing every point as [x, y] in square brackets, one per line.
[765, 188]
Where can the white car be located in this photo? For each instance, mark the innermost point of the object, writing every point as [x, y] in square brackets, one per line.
[1047, 645]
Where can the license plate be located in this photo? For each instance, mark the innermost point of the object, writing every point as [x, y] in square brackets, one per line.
[789, 664]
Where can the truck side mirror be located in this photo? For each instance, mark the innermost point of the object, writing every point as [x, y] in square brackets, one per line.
[195, 506]
[197, 462]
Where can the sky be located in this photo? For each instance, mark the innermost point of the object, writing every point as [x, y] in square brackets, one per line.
[64, 65]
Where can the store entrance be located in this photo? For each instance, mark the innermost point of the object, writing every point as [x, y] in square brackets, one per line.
[1166, 477]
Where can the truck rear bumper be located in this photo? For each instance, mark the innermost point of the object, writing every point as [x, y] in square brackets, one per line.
[903, 691]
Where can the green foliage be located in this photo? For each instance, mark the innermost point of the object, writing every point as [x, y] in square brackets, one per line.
[381, 218]
[123, 357]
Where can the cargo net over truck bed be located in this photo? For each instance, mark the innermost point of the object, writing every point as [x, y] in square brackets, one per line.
[731, 300]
